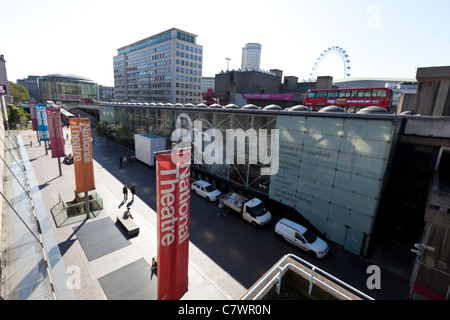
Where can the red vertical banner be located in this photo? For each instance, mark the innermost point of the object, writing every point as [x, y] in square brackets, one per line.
[55, 132]
[80, 129]
[173, 209]
[33, 115]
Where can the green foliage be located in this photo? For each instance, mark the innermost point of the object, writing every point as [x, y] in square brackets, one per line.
[103, 128]
[124, 136]
[18, 92]
[16, 115]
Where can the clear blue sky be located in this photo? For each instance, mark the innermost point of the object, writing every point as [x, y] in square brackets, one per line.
[383, 38]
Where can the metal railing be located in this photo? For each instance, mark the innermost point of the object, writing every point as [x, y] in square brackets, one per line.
[61, 211]
[19, 175]
[277, 274]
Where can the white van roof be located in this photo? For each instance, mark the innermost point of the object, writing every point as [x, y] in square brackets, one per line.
[253, 202]
[293, 225]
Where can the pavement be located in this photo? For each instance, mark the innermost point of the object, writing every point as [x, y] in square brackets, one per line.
[102, 262]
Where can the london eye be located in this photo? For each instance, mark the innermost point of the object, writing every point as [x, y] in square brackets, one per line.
[337, 50]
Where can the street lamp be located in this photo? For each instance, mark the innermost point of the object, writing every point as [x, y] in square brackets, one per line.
[227, 94]
[228, 62]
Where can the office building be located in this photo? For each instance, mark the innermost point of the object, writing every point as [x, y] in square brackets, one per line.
[105, 93]
[208, 83]
[32, 85]
[163, 68]
[251, 56]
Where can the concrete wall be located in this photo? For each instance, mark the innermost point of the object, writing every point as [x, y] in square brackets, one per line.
[436, 127]
[433, 92]
[433, 272]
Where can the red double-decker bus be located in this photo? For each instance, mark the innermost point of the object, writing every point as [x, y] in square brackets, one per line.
[351, 100]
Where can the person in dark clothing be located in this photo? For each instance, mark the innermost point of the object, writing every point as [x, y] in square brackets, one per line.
[125, 192]
[133, 190]
[120, 161]
[221, 209]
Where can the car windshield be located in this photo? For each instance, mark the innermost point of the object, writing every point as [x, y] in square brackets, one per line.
[210, 188]
[309, 236]
[259, 210]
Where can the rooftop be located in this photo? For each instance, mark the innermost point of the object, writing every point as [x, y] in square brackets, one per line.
[67, 76]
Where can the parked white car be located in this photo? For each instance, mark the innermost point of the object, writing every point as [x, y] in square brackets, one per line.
[206, 190]
[301, 237]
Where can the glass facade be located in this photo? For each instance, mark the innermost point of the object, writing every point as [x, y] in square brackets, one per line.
[332, 171]
[331, 168]
[70, 90]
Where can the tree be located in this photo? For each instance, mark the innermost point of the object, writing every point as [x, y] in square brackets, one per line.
[16, 115]
[103, 129]
[124, 136]
[18, 92]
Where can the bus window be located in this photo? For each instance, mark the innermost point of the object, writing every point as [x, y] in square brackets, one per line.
[351, 109]
[379, 93]
[344, 94]
[364, 93]
[354, 93]
[312, 94]
[332, 94]
[321, 94]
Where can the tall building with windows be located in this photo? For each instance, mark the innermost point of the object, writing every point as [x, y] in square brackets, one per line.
[251, 56]
[166, 68]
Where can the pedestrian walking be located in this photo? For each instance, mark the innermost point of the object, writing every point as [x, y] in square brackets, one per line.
[120, 161]
[221, 209]
[125, 192]
[124, 161]
[133, 191]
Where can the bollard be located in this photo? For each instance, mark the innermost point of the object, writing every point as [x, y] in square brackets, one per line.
[31, 143]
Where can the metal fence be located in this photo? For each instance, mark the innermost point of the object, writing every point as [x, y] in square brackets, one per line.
[275, 277]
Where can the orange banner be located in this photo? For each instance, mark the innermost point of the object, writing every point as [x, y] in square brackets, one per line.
[80, 129]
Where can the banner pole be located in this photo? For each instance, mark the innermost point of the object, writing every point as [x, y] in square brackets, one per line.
[86, 199]
[59, 165]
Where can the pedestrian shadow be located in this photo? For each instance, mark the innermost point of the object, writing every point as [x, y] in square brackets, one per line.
[130, 203]
[122, 203]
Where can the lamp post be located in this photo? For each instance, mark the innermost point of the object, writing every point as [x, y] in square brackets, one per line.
[227, 94]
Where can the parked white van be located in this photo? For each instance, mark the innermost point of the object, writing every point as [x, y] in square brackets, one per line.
[301, 237]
